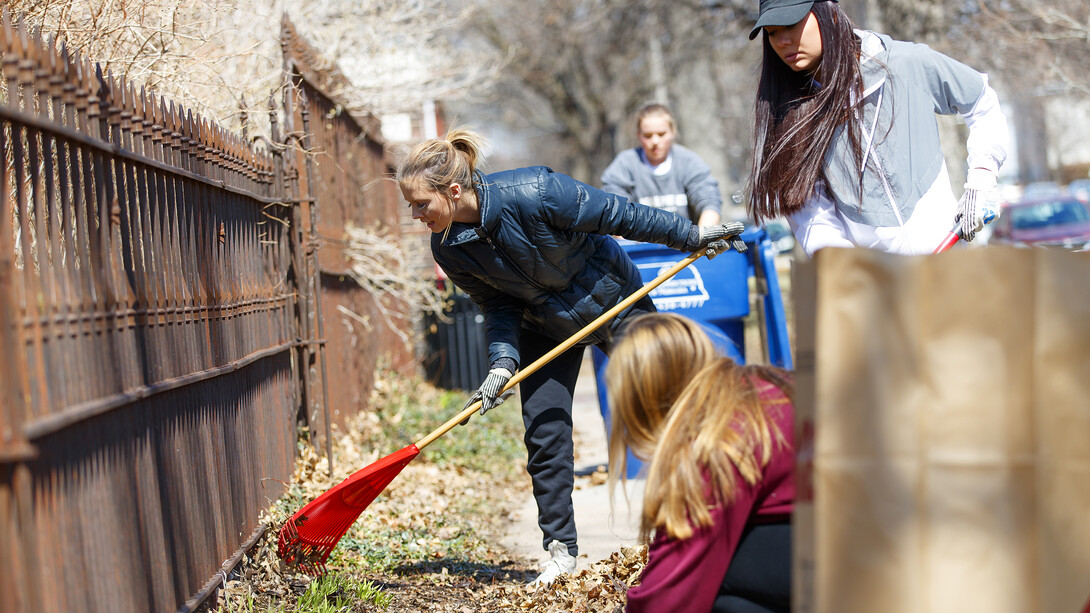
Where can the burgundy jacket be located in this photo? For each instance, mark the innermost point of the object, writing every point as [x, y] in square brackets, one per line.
[685, 575]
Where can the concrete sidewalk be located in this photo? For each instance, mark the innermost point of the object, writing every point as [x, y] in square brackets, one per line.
[602, 530]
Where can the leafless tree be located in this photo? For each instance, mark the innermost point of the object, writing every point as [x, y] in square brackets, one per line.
[572, 68]
[206, 56]
[1046, 43]
[214, 56]
[715, 36]
[579, 69]
[397, 54]
[915, 20]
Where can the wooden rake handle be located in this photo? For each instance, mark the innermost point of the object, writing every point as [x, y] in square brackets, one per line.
[568, 344]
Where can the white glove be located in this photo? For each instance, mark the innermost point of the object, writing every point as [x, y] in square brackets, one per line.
[979, 203]
[718, 238]
[489, 392]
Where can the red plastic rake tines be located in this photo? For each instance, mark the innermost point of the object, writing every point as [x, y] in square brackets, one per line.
[307, 539]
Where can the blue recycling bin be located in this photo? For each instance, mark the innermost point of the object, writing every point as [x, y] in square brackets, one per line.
[714, 293]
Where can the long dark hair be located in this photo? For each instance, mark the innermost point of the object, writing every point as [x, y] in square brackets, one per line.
[796, 117]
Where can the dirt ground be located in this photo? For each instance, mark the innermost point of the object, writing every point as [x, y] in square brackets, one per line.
[432, 539]
[502, 587]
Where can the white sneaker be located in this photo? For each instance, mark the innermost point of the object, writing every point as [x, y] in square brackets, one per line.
[560, 562]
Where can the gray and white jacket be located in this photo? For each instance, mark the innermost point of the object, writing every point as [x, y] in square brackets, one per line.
[905, 85]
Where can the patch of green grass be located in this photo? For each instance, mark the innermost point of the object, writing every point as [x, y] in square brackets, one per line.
[484, 444]
[335, 593]
[488, 452]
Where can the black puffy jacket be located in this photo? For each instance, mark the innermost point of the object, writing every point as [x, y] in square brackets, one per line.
[543, 257]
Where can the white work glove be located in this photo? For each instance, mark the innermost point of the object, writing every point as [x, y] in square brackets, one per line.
[717, 239]
[979, 203]
[489, 392]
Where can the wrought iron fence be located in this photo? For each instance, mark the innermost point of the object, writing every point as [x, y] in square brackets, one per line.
[348, 176]
[160, 327]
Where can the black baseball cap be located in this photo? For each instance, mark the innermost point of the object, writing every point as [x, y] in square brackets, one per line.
[781, 13]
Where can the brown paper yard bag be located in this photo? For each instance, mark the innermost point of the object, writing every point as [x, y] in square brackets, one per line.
[944, 432]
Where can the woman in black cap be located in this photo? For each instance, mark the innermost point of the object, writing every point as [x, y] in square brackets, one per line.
[846, 145]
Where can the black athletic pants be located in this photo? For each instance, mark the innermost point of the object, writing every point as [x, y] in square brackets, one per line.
[758, 579]
[547, 397]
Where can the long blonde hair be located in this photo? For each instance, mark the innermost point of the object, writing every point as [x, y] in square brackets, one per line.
[696, 415]
[439, 162]
[655, 355]
[717, 425]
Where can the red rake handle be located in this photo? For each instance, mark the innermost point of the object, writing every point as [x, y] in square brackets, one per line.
[568, 344]
[951, 238]
[954, 235]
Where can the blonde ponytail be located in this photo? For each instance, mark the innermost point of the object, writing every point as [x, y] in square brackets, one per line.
[441, 162]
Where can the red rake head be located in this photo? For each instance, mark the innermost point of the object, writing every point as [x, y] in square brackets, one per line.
[307, 539]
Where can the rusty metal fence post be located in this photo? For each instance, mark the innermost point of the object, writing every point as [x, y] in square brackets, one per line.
[162, 323]
[315, 407]
[347, 183]
[314, 277]
[146, 336]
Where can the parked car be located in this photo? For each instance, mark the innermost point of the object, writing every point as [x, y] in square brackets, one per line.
[1080, 188]
[1059, 221]
[1041, 188]
[780, 235]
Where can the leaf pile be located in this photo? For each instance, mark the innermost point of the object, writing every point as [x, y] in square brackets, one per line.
[598, 589]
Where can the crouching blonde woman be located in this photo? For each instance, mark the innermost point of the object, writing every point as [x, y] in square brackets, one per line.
[718, 437]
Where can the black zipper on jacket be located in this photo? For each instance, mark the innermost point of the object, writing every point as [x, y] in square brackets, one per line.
[499, 252]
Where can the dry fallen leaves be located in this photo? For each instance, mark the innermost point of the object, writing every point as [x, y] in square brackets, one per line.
[598, 589]
[428, 502]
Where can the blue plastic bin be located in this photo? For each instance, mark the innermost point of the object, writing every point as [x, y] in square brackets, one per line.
[715, 294]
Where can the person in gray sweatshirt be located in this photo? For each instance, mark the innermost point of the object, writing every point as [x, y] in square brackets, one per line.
[662, 173]
[846, 144]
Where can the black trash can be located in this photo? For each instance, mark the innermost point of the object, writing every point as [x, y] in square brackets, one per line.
[457, 351]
